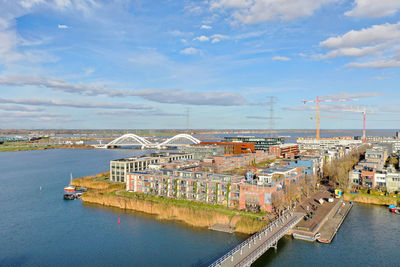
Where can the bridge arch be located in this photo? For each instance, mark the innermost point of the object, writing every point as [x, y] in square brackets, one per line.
[188, 137]
[147, 144]
[140, 140]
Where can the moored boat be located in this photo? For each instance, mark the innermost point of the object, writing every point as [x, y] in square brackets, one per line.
[69, 196]
[70, 188]
[394, 209]
[307, 238]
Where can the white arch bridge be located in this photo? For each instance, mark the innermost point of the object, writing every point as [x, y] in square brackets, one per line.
[135, 140]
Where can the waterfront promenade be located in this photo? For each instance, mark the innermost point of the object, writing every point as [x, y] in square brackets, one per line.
[252, 248]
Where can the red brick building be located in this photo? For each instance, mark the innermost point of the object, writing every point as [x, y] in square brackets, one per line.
[232, 148]
[285, 151]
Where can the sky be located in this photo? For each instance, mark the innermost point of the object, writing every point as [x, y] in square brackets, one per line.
[125, 64]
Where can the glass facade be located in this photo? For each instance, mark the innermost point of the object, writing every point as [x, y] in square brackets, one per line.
[261, 143]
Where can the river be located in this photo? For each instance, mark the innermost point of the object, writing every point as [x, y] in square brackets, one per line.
[39, 228]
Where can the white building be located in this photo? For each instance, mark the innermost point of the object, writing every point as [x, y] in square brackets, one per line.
[326, 143]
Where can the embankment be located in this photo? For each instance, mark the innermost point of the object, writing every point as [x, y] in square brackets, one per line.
[98, 183]
[370, 199]
[189, 215]
[104, 193]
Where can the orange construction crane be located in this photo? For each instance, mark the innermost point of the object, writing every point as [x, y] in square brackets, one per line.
[318, 100]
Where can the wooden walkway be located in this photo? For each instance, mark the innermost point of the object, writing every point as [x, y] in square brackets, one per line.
[252, 248]
[330, 228]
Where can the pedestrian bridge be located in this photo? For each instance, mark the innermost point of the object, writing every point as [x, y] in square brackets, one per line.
[252, 248]
[135, 140]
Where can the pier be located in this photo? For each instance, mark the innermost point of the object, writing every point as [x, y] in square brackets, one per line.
[332, 225]
[252, 248]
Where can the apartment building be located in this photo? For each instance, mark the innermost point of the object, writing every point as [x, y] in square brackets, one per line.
[193, 186]
[121, 167]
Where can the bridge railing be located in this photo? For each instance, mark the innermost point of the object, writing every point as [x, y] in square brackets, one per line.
[251, 239]
[272, 240]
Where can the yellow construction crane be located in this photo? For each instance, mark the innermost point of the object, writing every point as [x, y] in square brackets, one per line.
[319, 100]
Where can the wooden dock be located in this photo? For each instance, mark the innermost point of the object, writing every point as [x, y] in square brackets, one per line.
[332, 225]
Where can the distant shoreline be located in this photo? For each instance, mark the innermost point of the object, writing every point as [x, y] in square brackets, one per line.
[30, 148]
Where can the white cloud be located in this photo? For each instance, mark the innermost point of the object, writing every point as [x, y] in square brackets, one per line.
[190, 51]
[84, 6]
[202, 38]
[352, 52]
[172, 96]
[373, 35]
[63, 3]
[206, 27]
[380, 64]
[33, 117]
[88, 71]
[8, 42]
[378, 45]
[215, 38]
[128, 113]
[62, 26]
[230, 3]
[149, 57]
[72, 104]
[374, 8]
[11, 107]
[218, 37]
[345, 95]
[30, 3]
[9, 37]
[177, 33]
[255, 11]
[280, 58]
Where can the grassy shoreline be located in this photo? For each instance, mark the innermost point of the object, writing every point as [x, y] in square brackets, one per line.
[105, 193]
[8, 148]
[362, 197]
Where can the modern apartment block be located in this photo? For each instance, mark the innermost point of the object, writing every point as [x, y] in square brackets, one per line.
[268, 187]
[229, 190]
[326, 143]
[121, 167]
[194, 186]
[202, 151]
[260, 143]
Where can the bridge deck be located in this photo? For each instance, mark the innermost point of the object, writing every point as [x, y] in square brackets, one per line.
[252, 248]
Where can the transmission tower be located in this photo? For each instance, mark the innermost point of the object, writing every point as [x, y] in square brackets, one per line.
[271, 102]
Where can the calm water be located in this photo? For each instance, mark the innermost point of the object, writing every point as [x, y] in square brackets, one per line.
[39, 228]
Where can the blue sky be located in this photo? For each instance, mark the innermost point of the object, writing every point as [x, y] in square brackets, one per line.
[141, 64]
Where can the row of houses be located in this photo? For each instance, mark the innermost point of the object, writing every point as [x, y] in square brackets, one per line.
[371, 172]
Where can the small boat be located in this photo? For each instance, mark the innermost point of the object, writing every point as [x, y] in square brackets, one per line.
[321, 240]
[69, 196]
[307, 238]
[394, 209]
[70, 188]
